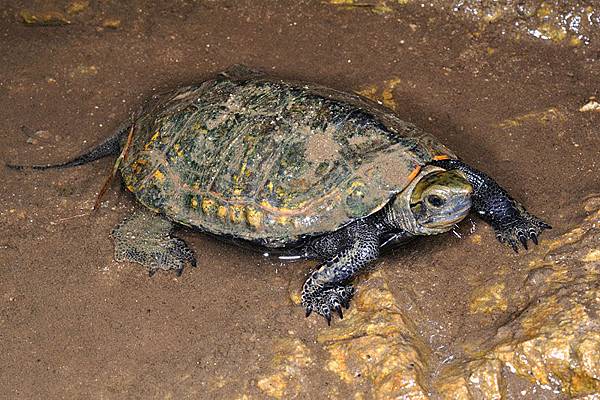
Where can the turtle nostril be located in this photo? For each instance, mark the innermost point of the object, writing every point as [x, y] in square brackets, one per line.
[435, 200]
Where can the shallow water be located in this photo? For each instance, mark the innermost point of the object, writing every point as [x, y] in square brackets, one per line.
[76, 324]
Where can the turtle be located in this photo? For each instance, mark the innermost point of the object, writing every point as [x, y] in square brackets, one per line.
[299, 169]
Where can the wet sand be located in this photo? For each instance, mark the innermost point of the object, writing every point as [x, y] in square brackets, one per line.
[76, 324]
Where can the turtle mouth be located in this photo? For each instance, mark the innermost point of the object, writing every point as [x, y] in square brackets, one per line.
[446, 221]
[443, 220]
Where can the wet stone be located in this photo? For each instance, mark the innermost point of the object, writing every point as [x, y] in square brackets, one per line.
[46, 18]
[288, 369]
[554, 341]
[111, 23]
[547, 346]
[574, 22]
[378, 345]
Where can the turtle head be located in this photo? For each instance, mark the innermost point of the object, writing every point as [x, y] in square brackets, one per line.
[439, 200]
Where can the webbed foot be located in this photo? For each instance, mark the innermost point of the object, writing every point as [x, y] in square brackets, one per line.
[326, 301]
[146, 239]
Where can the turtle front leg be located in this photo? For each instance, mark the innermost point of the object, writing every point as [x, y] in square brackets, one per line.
[145, 238]
[494, 205]
[328, 288]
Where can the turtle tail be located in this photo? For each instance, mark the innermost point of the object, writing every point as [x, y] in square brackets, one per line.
[110, 146]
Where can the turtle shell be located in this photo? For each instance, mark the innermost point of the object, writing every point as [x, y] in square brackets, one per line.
[270, 161]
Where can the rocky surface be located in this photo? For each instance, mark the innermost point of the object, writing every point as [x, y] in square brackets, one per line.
[377, 346]
[574, 22]
[554, 340]
[548, 346]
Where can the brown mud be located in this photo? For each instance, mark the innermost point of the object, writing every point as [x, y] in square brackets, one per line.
[76, 324]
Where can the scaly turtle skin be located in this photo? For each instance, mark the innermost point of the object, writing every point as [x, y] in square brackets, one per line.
[306, 170]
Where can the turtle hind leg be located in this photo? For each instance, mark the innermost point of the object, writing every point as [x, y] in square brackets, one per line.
[145, 238]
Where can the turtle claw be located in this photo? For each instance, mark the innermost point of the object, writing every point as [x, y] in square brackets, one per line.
[523, 241]
[326, 301]
[346, 304]
[545, 225]
[520, 228]
[338, 309]
[534, 238]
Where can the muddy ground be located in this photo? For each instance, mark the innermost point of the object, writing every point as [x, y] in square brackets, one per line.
[75, 324]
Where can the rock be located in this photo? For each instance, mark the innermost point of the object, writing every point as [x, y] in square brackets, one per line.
[554, 341]
[489, 299]
[552, 114]
[575, 22]
[38, 136]
[77, 7]
[48, 18]
[111, 23]
[377, 344]
[546, 344]
[591, 105]
[83, 70]
[293, 357]
[383, 95]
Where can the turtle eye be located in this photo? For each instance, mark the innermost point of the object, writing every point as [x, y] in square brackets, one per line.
[435, 200]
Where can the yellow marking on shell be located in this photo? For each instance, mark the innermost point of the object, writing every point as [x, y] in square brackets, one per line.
[236, 214]
[306, 207]
[137, 166]
[282, 219]
[270, 186]
[280, 191]
[281, 210]
[441, 157]
[208, 206]
[354, 186]
[178, 150]
[198, 127]
[237, 179]
[152, 140]
[159, 176]
[222, 212]
[284, 196]
[130, 188]
[196, 185]
[253, 217]
[194, 202]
